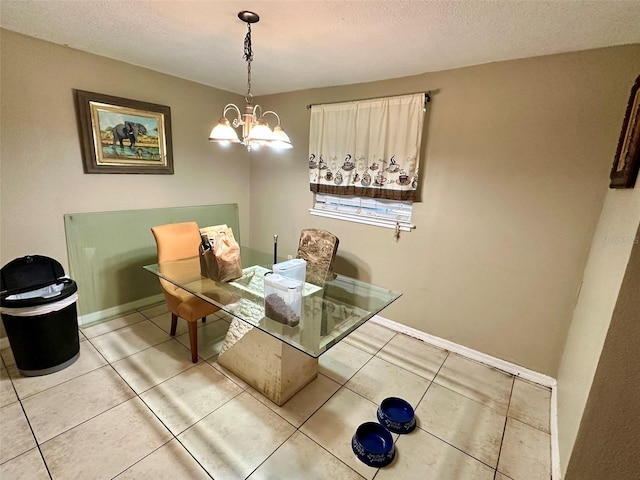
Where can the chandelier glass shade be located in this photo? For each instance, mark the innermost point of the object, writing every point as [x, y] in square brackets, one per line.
[255, 129]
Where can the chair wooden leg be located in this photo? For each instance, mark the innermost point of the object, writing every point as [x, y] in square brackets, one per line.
[174, 324]
[193, 341]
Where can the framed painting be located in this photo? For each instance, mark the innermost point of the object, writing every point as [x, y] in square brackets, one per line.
[119, 135]
[627, 159]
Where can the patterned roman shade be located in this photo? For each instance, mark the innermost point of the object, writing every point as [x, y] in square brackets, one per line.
[367, 148]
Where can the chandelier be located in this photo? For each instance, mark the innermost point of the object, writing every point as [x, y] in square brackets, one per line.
[255, 129]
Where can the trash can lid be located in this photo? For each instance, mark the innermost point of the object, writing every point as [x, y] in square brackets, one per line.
[30, 271]
[55, 294]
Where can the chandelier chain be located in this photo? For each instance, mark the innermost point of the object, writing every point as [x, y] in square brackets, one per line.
[248, 56]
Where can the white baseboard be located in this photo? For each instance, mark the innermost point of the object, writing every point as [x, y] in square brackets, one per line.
[470, 353]
[555, 446]
[85, 320]
[508, 367]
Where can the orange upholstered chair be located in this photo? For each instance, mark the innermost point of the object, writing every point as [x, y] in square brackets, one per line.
[177, 241]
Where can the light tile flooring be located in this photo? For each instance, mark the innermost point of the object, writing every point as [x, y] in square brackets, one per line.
[133, 406]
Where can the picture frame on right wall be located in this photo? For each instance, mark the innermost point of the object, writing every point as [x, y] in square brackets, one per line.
[627, 159]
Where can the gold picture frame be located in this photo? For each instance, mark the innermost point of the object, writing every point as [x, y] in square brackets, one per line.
[627, 159]
[119, 135]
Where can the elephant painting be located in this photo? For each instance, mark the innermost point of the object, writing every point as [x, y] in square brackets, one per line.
[129, 130]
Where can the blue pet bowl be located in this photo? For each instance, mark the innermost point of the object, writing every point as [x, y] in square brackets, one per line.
[373, 445]
[396, 415]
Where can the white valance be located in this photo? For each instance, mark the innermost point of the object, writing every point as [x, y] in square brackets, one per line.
[368, 148]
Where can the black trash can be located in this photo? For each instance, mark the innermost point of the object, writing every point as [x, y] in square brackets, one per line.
[38, 306]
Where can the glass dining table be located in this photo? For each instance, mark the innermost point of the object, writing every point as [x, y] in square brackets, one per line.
[275, 358]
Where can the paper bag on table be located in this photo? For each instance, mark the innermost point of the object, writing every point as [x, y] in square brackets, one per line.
[220, 254]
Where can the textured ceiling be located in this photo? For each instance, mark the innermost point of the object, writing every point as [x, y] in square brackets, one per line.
[306, 44]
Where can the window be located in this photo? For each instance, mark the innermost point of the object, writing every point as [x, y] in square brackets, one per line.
[364, 159]
[371, 211]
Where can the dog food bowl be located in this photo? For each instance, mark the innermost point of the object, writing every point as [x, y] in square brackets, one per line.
[373, 445]
[396, 415]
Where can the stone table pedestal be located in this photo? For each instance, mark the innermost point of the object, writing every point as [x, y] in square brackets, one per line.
[273, 368]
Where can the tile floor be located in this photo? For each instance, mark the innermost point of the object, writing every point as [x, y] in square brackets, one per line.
[133, 406]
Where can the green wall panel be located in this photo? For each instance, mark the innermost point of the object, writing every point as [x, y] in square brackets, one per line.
[108, 249]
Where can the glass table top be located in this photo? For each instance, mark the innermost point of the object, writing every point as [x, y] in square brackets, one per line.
[328, 312]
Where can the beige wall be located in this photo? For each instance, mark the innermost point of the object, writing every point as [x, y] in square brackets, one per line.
[41, 163]
[607, 441]
[515, 171]
[612, 243]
